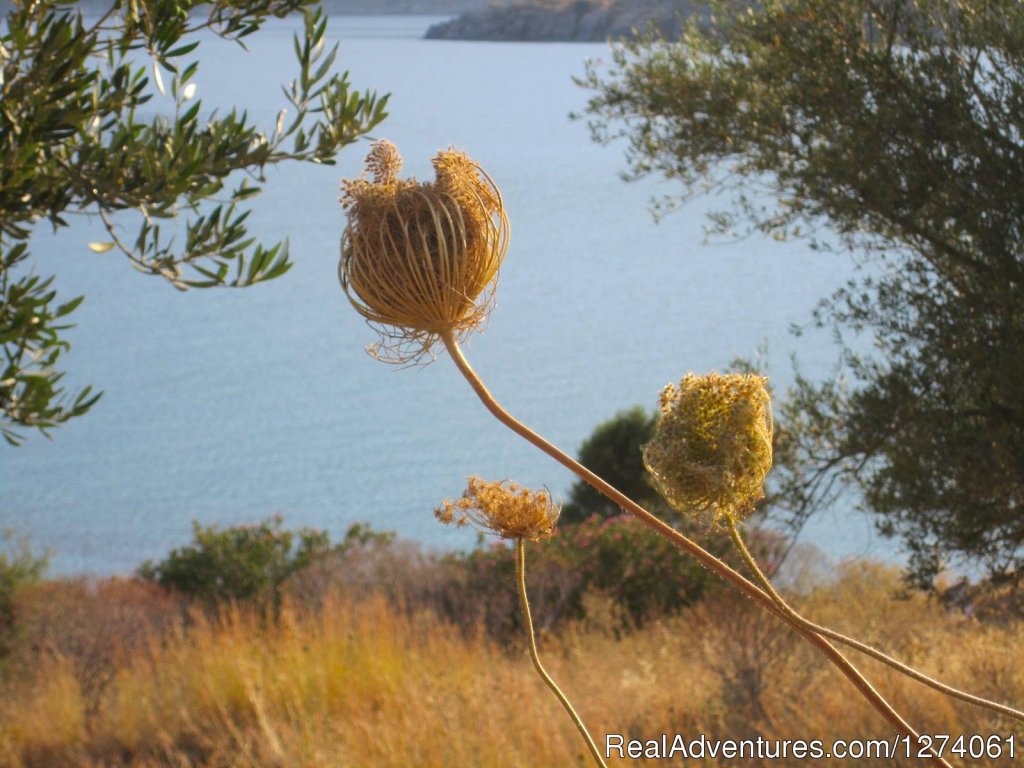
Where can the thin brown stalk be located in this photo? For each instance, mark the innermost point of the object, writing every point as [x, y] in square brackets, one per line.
[528, 621]
[864, 648]
[682, 542]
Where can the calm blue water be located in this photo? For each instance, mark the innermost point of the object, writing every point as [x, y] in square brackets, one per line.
[232, 406]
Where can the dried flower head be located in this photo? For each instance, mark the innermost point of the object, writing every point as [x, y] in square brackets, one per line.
[421, 259]
[504, 508]
[712, 445]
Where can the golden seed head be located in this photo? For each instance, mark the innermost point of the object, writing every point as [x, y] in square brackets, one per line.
[421, 259]
[384, 162]
[712, 445]
[504, 508]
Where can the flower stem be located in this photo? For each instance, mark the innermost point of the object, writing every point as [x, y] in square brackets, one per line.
[682, 542]
[864, 648]
[528, 621]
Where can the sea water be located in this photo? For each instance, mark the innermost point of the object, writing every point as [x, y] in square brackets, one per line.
[230, 406]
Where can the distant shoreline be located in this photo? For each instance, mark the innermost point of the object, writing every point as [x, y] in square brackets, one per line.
[332, 7]
[510, 20]
[580, 21]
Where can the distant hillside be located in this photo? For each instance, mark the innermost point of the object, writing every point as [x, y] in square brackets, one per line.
[569, 20]
[426, 7]
[342, 7]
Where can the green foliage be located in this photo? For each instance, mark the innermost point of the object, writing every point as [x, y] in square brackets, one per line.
[72, 140]
[20, 567]
[613, 451]
[897, 126]
[645, 573]
[30, 328]
[641, 572]
[245, 562]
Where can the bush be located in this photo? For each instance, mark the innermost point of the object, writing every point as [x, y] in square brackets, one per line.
[642, 574]
[366, 561]
[240, 562]
[19, 568]
[616, 563]
[478, 589]
[93, 625]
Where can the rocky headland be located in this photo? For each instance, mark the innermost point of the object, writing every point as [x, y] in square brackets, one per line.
[569, 20]
[425, 7]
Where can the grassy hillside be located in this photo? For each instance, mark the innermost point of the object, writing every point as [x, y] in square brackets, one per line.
[120, 673]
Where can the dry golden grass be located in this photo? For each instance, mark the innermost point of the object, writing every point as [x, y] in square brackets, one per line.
[366, 684]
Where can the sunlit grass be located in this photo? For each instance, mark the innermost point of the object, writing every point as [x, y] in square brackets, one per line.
[362, 682]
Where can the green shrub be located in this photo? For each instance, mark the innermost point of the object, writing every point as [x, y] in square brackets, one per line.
[241, 562]
[641, 573]
[20, 567]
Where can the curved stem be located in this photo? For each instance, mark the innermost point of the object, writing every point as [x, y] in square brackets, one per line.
[864, 648]
[528, 621]
[704, 557]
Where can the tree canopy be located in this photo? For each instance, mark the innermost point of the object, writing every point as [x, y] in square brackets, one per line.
[614, 450]
[72, 141]
[893, 129]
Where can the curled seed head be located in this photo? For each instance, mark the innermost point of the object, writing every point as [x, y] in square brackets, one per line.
[384, 162]
[504, 508]
[421, 259]
[712, 445]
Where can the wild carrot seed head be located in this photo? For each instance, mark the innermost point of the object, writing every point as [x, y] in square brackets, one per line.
[504, 508]
[712, 445]
[421, 259]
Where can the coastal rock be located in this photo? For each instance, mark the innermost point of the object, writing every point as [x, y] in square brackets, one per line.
[379, 7]
[574, 21]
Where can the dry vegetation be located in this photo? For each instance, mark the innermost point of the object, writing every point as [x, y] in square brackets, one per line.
[116, 673]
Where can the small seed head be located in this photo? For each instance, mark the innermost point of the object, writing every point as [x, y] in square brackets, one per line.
[712, 445]
[504, 508]
[421, 259]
